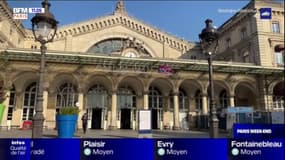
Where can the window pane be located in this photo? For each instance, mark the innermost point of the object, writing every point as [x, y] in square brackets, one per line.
[25, 110]
[279, 58]
[26, 100]
[33, 99]
[275, 27]
[155, 98]
[66, 95]
[228, 43]
[31, 114]
[12, 98]
[10, 113]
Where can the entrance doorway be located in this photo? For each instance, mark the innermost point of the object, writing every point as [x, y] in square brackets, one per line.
[125, 118]
[154, 118]
[96, 118]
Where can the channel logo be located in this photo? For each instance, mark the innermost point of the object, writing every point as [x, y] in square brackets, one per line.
[22, 13]
[265, 13]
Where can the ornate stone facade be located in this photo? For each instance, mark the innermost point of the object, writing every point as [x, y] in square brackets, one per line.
[109, 66]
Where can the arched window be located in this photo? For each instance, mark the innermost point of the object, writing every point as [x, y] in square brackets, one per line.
[29, 101]
[154, 98]
[66, 95]
[126, 98]
[183, 101]
[97, 97]
[278, 96]
[107, 46]
[115, 45]
[223, 99]
[198, 100]
[12, 101]
[279, 54]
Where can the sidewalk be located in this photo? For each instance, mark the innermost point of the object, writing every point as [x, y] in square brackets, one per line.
[16, 133]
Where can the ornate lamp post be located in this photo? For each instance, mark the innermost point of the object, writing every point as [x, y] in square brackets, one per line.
[209, 42]
[44, 28]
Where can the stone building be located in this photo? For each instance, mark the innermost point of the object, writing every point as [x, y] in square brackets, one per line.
[115, 65]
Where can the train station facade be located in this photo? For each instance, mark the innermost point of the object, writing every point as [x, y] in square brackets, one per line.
[115, 65]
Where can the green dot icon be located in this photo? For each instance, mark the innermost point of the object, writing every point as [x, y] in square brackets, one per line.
[235, 151]
[161, 151]
[87, 151]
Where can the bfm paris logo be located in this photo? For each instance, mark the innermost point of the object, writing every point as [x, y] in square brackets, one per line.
[22, 13]
[265, 13]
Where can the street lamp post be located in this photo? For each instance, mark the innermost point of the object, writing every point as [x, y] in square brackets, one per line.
[209, 43]
[42, 26]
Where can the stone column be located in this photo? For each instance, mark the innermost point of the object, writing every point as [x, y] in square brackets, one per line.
[81, 108]
[269, 105]
[192, 108]
[145, 100]
[204, 104]
[166, 118]
[114, 111]
[176, 112]
[262, 90]
[232, 101]
[6, 104]
[192, 104]
[18, 108]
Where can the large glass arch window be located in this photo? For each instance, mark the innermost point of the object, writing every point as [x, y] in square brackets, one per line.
[198, 100]
[115, 45]
[278, 96]
[12, 102]
[183, 101]
[223, 99]
[97, 97]
[126, 97]
[279, 55]
[154, 98]
[67, 95]
[29, 101]
[107, 46]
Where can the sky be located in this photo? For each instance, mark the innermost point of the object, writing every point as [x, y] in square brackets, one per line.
[183, 19]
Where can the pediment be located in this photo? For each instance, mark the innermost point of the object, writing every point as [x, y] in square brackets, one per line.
[126, 21]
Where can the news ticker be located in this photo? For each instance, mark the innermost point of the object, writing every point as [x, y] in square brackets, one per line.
[250, 141]
[141, 149]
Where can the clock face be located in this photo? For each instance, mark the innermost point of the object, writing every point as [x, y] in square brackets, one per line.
[131, 54]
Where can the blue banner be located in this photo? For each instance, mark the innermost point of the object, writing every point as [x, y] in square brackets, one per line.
[141, 149]
[53, 149]
[15, 149]
[190, 149]
[259, 131]
[249, 149]
[116, 149]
